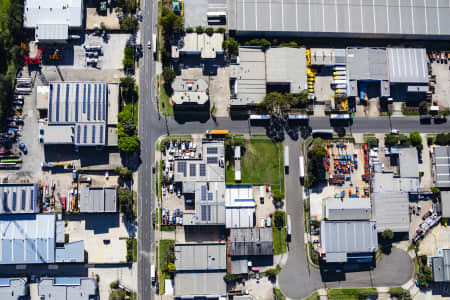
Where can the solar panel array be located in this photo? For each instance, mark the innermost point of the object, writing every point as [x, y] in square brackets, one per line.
[211, 150]
[203, 193]
[182, 167]
[202, 170]
[206, 213]
[212, 160]
[192, 169]
[210, 196]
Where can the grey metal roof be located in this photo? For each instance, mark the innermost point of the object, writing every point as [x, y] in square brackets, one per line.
[391, 211]
[348, 209]
[200, 257]
[341, 18]
[59, 234]
[328, 56]
[250, 76]
[445, 204]
[70, 253]
[53, 32]
[409, 163]
[18, 198]
[408, 65]
[348, 236]
[286, 65]
[367, 64]
[239, 266]
[441, 265]
[68, 288]
[251, 241]
[98, 200]
[27, 239]
[81, 106]
[200, 269]
[441, 162]
[386, 182]
[12, 288]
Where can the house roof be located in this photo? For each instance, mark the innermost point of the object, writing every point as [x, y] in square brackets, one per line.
[18, 198]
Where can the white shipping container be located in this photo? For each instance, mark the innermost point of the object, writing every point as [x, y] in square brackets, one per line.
[286, 156]
[339, 68]
[301, 162]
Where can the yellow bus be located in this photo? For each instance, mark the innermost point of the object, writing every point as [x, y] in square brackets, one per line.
[217, 132]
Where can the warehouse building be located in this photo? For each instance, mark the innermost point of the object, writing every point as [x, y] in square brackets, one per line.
[445, 204]
[203, 45]
[13, 288]
[98, 200]
[391, 211]
[336, 209]
[81, 113]
[189, 92]
[68, 288]
[441, 166]
[341, 18]
[441, 265]
[259, 71]
[348, 241]
[240, 206]
[35, 239]
[18, 198]
[199, 270]
[52, 19]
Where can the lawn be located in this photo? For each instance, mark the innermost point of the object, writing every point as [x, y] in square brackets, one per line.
[313, 296]
[164, 102]
[279, 240]
[350, 294]
[4, 5]
[278, 294]
[165, 246]
[261, 164]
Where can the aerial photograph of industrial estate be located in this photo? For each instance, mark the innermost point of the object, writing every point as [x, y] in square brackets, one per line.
[224, 149]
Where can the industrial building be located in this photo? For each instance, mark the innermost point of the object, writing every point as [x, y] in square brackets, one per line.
[445, 204]
[81, 113]
[98, 200]
[348, 241]
[441, 265]
[52, 19]
[13, 288]
[67, 288]
[258, 71]
[34, 239]
[200, 270]
[19, 198]
[337, 209]
[340, 18]
[240, 206]
[203, 45]
[391, 211]
[441, 166]
[189, 92]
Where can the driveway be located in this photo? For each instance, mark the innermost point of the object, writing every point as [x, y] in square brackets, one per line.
[297, 279]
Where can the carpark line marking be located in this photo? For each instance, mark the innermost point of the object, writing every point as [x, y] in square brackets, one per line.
[362, 17]
[348, 16]
[387, 14]
[374, 17]
[400, 14]
[412, 17]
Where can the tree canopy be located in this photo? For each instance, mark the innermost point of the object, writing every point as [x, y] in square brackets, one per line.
[171, 23]
[416, 140]
[169, 75]
[231, 46]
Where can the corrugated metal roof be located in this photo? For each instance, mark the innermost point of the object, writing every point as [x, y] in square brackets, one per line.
[251, 242]
[70, 252]
[237, 217]
[348, 209]
[341, 18]
[441, 161]
[27, 239]
[445, 204]
[408, 65]
[391, 211]
[68, 288]
[239, 266]
[18, 198]
[409, 162]
[367, 64]
[98, 200]
[68, 12]
[200, 284]
[12, 288]
[349, 236]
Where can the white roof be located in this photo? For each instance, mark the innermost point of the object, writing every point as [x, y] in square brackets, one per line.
[38, 12]
[51, 32]
[239, 196]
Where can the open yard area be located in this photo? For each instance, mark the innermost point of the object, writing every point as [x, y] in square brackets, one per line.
[166, 256]
[262, 163]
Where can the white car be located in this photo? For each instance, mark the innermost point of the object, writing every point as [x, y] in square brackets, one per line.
[395, 131]
[149, 45]
[163, 191]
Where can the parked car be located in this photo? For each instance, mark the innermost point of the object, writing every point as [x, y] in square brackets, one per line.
[395, 131]
[171, 188]
[17, 102]
[22, 147]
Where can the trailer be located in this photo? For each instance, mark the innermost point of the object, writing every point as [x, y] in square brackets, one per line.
[301, 167]
[288, 227]
[93, 48]
[23, 90]
[286, 159]
[339, 81]
[154, 47]
[216, 132]
[339, 68]
[153, 273]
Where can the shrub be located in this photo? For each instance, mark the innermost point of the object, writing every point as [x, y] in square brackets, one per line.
[189, 30]
[416, 140]
[221, 30]
[129, 23]
[442, 139]
[199, 29]
[387, 235]
[231, 46]
[279, 218]
[168, 75]
[263, 43]
[209, 31]
[435, 190]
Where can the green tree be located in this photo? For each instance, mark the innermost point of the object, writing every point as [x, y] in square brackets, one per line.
[231, 46]
[128, 144]
[172, 23]
[263, 43]
[117, 294]
[129, 23]
[315, 162]
[127, 62]
[391, 140]
[221, 30]
[387, 235]
[209, 31]
[171, 267]
[291, 99]
[189, 30]
[275, 104]
[442, 139]
[423, 107]
[279, 218]
[169, 75]
[127, 84]
[123, 172]
[416, 140]
[199, 29]
[129, 126]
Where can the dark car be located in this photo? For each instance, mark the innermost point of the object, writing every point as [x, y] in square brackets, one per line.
[439, 119]
[425, 119]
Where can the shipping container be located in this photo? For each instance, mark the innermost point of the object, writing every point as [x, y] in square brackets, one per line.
[301, 167]
[286, 159]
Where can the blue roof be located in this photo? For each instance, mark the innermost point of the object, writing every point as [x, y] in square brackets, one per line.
[27, 239]
[67, 281]
[71, 252]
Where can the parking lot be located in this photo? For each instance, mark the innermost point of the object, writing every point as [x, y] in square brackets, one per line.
[441, 95]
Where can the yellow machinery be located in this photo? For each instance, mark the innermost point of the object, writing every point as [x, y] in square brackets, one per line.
[308, 57]
[55, 55]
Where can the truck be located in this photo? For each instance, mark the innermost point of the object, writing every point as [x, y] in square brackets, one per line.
[153, 273]
[301, 167]
[286, 159]
[154, 44]
[23, 90]
[289, 227]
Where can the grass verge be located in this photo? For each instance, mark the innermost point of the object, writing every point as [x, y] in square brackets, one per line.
[164, 102]
[351, 294]
[278, 295]
[166, 256]
[313, 296]
[279, 240]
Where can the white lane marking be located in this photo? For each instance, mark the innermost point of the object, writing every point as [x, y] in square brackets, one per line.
[426, 18]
